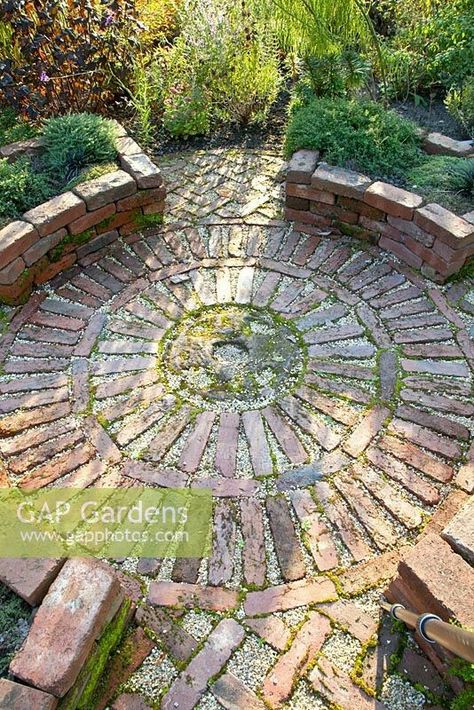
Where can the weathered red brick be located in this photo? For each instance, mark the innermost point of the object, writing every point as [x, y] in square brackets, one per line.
[272, 630]
[15, 696]
[191, 684]
[368, 428]
[279, 682]
[15, 239]
[55, 213]
[393, 200]
[289, 596]
[340, 181]
[108, 188]
[30, 578]
[456, 231]
[221, 562]
[368, 574]
[79, 604]
[232, 694]
[301, 166]
[286, 541]
[192, 595]
[92, 218]
[253, 555]
[401, 251]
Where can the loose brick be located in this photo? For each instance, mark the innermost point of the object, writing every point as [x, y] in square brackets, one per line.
[196, 442]
[459, 532]
[393, 200]
[12, 272]
[15, 239]
[280, 680]
[368, 574]
[438, 144]
[253, 555]
[301, 167]
[30, 578]
[442, 579]
[286, 437]
[232, 694]
[314, 532]
[176, 640]
[192, 595]
[351, 617]
[398, 471]
[368, 428]
[289, 596]
[55, 213]
[287, 544]
[80, 602]
[272, 630]
[221, 562]
[340, 181]
[456, 231]
[144, 171]
[380, 530]
[103, 190]
[191, 684]
[337, 686]
[257, 440]
[15, 696]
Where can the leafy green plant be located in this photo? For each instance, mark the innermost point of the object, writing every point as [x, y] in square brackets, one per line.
[21, 188]
[465, 671]
[76, 141]
[222, 68]
[356, 134]
[460, 104]
[338, 73]
[14, 128]
[444, 179]
[430, 49]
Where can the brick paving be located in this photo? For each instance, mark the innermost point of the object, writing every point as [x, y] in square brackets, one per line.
[319, 478]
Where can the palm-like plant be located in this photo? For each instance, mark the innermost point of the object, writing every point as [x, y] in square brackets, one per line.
[320, 27]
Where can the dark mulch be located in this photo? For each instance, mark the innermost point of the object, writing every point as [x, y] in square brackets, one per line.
[432, 116]
[269, 136]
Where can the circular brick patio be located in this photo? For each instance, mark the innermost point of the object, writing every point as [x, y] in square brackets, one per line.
[321, 390]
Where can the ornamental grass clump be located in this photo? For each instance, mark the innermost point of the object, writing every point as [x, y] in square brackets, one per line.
[77, 141]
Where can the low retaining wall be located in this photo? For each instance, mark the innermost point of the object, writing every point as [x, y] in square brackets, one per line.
[425, 236]
[53, 236]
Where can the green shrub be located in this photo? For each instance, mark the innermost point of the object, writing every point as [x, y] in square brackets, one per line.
[357, 134]
[21, 188]
[444, 179]
[222, 68]
[14, 128]
[76, 141]
[337, 74]
[430, 51]
[460, 104]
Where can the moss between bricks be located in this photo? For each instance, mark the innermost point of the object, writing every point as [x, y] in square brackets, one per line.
[77, 239]
[82, 695]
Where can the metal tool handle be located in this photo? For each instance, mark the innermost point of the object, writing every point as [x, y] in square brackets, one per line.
[433, 630]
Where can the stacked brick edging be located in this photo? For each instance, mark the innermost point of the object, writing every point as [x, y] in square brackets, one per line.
[425, 236]
[81, 617]
[436, 576]
[53, 236]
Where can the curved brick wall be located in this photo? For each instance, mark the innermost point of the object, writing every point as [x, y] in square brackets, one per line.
[425, 236]
[71, 227]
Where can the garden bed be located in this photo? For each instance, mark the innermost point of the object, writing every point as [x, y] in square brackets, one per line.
[51, 237]
[423, 234]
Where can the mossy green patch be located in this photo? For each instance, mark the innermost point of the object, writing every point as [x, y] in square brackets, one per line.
[76, 239]
[85, 692]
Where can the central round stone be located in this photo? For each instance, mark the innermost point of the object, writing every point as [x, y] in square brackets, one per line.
[232, 357]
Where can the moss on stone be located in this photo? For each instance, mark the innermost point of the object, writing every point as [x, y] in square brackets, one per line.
[86, 690]
[76, 239]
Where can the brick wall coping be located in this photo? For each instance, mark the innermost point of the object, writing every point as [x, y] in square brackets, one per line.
[54, 235]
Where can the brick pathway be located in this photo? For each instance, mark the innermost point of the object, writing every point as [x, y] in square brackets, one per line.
[323, 392]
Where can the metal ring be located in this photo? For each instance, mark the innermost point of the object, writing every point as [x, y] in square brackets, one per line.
[393, 609]
[420, 625]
